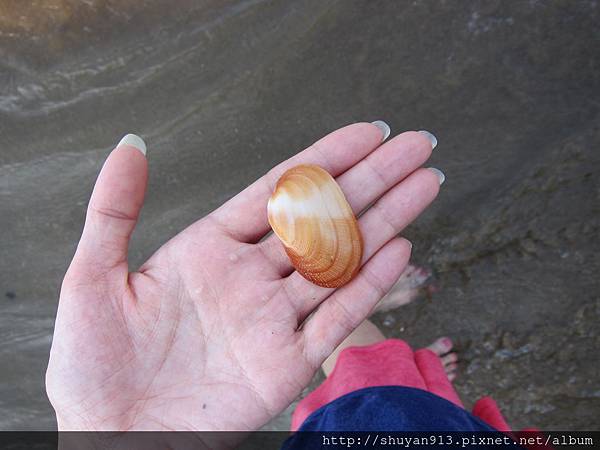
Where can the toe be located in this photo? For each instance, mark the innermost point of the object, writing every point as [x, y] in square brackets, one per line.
[449, 359]
[451, 367]
[441, 346]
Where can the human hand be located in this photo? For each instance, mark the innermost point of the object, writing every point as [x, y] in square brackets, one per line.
[213, 332]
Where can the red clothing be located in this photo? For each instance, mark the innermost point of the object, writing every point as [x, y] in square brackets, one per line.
[390, 363]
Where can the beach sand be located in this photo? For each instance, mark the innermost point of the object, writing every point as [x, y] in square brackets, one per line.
[223, 91]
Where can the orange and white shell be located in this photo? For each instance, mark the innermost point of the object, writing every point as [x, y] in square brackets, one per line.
[315, 223]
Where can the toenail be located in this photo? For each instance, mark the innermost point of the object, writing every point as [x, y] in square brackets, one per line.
[447, 343]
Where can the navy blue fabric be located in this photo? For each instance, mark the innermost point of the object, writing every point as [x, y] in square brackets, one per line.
[392, 408]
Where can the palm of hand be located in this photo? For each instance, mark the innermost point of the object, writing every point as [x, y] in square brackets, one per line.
[209, 334]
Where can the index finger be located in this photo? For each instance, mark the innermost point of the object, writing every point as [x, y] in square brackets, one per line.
[244, 217]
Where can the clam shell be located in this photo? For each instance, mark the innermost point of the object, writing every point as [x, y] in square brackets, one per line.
[313, 220]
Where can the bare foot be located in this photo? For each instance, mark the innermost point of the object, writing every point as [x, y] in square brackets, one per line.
[443, 348]
[406, 289]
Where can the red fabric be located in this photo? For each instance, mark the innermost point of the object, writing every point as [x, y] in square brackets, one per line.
[388, 363]
[487, 410]
[431, 368]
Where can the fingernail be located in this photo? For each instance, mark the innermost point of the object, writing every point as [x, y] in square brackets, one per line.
[384, 127]
[439, 173]
[431, 138]
[134, 141]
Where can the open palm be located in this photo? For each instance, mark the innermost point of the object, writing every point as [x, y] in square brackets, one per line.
[216, 331]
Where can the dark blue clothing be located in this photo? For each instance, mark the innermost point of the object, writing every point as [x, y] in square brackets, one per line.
[393, 408]
[386, 409]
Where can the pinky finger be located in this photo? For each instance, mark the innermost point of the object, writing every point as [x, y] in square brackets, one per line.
[347, 307]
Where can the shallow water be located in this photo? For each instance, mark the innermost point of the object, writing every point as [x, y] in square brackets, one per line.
[223, 91]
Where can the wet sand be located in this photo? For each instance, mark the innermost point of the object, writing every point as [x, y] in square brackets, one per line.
[222, 92]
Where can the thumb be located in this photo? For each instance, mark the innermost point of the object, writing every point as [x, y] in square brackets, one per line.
[114, 207]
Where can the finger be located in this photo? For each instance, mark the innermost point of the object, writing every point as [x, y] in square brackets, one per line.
[384, 168]
[114, 207]
[368, 180]
[398, 208]
[347, 307]
[244, 217]
[380, 223]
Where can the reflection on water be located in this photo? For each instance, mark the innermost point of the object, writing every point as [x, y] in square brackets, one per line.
[224, 89]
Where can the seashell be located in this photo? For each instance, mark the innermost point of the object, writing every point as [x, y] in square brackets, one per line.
[313, 220]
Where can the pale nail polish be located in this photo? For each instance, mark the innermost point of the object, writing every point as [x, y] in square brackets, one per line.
[431, 138]
[134, 141]
[439, 173]
[384, 127]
